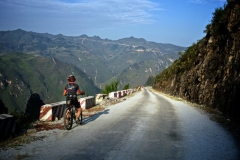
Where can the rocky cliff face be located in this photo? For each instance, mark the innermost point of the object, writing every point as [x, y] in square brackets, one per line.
[208, 73]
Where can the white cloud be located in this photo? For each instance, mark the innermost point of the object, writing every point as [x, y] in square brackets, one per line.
[115, 12]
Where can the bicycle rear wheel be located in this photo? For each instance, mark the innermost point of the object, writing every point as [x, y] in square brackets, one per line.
[68, 118]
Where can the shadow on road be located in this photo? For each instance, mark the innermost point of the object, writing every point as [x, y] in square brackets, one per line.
[94, 117]
[90, 118]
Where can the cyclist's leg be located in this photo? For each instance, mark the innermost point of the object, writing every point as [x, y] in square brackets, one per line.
[79, 112]
[77, 105]
[78, 115]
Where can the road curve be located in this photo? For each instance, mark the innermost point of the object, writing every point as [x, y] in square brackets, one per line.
[146, 126]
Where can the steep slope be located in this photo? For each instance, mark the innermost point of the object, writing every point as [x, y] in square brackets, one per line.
[23, 74]
[208, 73]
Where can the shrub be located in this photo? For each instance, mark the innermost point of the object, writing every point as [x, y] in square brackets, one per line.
[126, 87]
[110, 87]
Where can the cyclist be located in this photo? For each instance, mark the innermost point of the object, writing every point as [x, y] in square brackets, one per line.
[72, 90]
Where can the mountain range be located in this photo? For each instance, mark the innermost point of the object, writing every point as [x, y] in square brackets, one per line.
[39, 62]
[101, 59]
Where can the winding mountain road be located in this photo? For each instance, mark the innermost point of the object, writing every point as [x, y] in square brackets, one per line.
[148, 125]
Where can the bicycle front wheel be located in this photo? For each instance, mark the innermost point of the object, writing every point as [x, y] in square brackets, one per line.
[68, 118]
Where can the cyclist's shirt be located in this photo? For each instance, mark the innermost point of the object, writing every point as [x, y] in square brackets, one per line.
[71, 89]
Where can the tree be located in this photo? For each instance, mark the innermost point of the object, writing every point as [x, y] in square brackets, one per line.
[110, 87]
[126, 87]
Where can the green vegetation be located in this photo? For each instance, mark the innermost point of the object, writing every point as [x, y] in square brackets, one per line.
[126, 87]
[184, 63]
[219, 22]
[110, 87]
[219, 28]
[149, 81]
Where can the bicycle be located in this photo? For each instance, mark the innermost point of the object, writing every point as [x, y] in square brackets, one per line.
[70, 113]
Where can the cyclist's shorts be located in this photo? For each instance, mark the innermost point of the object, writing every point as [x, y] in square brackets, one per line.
[74, 102]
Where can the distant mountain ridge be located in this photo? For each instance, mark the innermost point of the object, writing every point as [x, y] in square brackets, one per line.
[101, 59]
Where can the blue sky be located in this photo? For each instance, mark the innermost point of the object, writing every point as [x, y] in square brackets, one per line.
[178, 22]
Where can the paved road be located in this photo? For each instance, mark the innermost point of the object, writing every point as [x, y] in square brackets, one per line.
[145, 126]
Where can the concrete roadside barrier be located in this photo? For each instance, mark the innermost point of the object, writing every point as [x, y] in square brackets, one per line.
[119, 94]
[87, 102]
[7, 126]
[53, 111]
[49, 112]
[112, 95]
[58, 110]
[123, 93]
[130, 91]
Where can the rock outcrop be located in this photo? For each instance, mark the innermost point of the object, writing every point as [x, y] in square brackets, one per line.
[208, 73]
